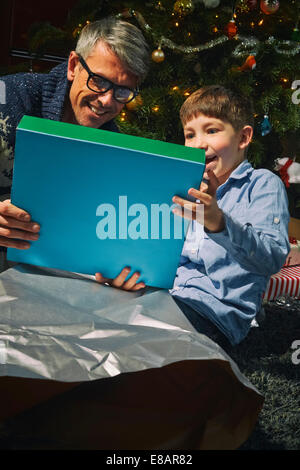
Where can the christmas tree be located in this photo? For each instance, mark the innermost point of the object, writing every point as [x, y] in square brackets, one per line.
[252, 46]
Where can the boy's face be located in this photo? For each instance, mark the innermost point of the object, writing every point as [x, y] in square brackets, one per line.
[223, 145]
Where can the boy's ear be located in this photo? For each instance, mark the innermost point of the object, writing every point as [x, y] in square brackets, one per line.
[245, 137]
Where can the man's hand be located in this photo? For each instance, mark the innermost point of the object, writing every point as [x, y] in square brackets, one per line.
[119, 282]
[213, 216]
[16, 227]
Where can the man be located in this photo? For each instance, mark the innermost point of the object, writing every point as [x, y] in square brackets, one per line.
[100, 77]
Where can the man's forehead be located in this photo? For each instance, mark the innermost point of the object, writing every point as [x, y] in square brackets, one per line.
[102, 56]
[101, 52]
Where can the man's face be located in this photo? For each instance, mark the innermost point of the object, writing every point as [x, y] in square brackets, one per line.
[224, 147]
[93, 109]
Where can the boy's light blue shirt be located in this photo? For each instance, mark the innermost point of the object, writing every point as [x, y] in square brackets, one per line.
[223, 275]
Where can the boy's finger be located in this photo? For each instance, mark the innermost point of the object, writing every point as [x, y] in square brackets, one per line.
[204, 197]
[195, 213]
[138, 286]
[203, 187]
[102, 280]
[120, 279]
[183, 202]
[214, 183]
[181, 213]
[128, 285]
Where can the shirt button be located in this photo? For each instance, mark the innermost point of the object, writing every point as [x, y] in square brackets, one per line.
[276, 220]
[193, 251]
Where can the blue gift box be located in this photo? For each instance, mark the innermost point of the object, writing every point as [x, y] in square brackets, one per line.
[103, 199]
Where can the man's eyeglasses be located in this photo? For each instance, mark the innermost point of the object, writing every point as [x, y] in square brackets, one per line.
[101, 85]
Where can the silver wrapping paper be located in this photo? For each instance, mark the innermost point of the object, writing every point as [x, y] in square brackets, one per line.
[65, 327]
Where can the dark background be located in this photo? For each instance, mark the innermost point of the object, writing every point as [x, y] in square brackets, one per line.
[18, 15]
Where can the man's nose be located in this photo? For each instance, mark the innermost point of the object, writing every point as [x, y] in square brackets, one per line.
[107, 98]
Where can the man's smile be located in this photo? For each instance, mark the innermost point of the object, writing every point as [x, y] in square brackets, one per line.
[97, 111]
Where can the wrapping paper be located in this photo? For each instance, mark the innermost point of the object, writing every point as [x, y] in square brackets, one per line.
[129, 361]
[71, 329]
[285, 282]
[293, 258]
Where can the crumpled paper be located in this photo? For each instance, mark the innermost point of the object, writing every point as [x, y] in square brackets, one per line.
[64, 327]
[167, 386]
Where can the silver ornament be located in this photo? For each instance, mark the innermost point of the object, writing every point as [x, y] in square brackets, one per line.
[211, 3]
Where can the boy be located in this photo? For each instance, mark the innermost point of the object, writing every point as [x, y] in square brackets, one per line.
[225, 264]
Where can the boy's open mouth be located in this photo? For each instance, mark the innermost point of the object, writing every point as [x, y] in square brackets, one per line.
[210, 159]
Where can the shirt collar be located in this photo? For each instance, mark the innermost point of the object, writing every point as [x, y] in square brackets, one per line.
[241, 171]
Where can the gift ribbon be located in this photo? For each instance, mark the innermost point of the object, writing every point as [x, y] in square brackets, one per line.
[284, 174]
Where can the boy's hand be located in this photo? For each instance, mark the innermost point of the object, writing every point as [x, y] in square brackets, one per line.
[213, 216]
[16, 227]
[120, 282]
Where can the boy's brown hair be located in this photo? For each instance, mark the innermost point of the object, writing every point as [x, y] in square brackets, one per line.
[218, 102]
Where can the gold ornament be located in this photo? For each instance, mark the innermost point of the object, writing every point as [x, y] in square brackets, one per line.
[77, 31]
[158, 55]
[285, 82]
[123, 116]
[159, 6]
[135, 103]
[155, 108]
[183, 7]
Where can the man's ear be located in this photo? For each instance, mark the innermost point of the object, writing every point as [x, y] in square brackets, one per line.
[72, 66]
[245, 137]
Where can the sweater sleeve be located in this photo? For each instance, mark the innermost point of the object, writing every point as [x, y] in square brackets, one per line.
[20, 95]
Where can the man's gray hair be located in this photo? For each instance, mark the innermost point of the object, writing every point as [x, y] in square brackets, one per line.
[123, 38]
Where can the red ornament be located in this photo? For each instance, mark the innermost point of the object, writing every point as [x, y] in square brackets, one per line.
[249, 64]
[251, 4]
[231, 29]
[269, 6]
